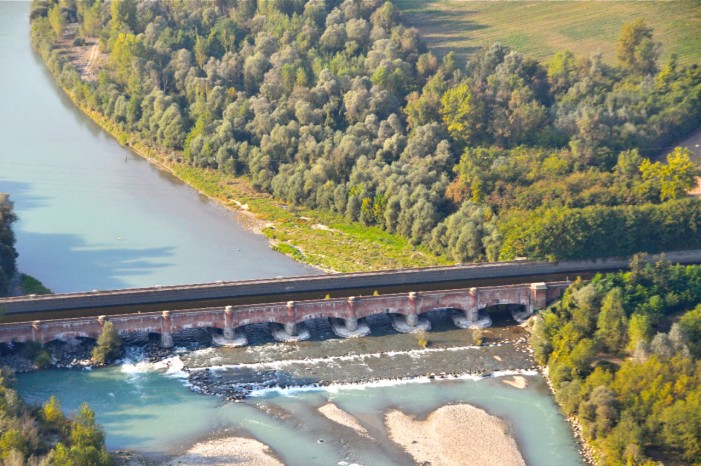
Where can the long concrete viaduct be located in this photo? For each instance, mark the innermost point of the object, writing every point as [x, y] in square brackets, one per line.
[407, 308]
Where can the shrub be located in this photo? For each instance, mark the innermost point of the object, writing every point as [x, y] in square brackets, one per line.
[109, 345]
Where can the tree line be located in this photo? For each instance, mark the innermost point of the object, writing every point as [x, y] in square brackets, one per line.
[8, 254]
[337, 105]
[624, 355]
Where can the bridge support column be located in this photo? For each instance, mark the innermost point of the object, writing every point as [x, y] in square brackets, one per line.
[539, 297]
[412, 318]
[471, 318]
[166, 330]
[228, 323]
[37, 331]
[352, 319]
[472, 311]
[290, 325]
[410, 322]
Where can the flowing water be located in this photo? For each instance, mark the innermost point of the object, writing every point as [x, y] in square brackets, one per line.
[148, 409]
[95, 216]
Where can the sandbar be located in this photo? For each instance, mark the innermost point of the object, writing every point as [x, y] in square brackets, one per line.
[227, 452]
[337, 415]
[455, 435]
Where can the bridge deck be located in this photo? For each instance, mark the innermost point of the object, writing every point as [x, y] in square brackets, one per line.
[307, 287]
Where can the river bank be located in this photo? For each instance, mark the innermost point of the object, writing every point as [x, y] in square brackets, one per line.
[324, 240]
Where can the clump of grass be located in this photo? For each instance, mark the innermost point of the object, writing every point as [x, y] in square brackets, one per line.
[478, 336]
[289, 250]
[423, 340]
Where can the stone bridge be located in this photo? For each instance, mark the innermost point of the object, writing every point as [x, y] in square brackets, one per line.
[345, 312]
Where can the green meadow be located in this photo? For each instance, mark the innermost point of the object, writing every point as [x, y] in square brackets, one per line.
[539, 29]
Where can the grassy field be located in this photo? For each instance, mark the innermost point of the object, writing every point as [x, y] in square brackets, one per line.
[539, 29]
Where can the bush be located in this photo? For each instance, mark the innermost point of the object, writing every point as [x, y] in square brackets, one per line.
[109, 345]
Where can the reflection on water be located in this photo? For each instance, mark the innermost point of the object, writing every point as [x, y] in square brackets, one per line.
[92, 214]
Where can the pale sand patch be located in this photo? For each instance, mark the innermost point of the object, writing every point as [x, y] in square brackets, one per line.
[321, 226]
[455, 435]
[517, 381]
[227, 452]
[339, 416]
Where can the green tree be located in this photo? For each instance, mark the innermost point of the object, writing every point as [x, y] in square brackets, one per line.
[675, 177]
[612, 323]
[57, 20]
[109, 345]
[8, 254]
[636, 49]
[691, 325]
[639, 330]
[52, 414]
[123, 14]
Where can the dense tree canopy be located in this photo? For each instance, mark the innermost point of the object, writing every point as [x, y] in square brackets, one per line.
[8, 254]
[623, 353]
[337, 105]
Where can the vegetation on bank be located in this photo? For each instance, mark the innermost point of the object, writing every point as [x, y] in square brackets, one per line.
[42, 436]
[541, 29]
[31, 285]
[108, 346]
[8, 254]
[624, 356]
[337, 108]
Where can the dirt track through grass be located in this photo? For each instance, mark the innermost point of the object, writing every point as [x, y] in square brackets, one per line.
[539, 29]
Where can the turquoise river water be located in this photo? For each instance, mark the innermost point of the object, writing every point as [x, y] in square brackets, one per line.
[95, 216]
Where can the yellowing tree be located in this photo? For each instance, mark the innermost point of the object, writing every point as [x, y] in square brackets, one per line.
[636, 50]
[675, 177]
[457, 112]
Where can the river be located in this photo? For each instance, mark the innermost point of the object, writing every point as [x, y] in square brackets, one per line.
[92, 214]
[95, 216]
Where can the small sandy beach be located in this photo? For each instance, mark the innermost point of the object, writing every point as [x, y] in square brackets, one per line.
[455, 435]
[227, 452]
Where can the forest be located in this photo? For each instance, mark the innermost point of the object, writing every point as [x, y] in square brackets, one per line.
[8, 254]
[624, 355]
[338, 106]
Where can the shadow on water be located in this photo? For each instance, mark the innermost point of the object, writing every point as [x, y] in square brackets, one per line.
[21, 194]
[94, 266]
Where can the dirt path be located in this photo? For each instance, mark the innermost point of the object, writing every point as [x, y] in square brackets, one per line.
[91, 60]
